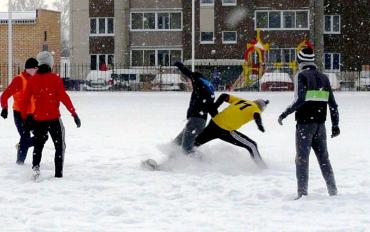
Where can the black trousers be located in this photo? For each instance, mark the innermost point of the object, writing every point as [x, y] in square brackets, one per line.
[24, 129]
[56, 130]
[212, 131]
[187, 136]
[312, 135]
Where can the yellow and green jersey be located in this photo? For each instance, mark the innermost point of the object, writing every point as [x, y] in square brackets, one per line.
[239, 112]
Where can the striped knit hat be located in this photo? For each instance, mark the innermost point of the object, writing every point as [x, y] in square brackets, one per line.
[306, 55]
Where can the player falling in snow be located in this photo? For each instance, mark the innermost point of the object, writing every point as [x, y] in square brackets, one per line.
[201, 104]
[225, 124]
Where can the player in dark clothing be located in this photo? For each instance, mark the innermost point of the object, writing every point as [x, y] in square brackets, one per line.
[201, 104]
[313, 94]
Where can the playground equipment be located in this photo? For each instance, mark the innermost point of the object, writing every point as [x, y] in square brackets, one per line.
[253, 71]
[250, 67]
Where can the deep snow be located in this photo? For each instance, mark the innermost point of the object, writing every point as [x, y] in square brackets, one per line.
[105, 189]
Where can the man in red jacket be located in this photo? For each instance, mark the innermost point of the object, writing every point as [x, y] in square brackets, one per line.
[16, 90]
[48, 91]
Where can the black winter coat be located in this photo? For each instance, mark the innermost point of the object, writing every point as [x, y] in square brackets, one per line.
[313, 94]
[202, 97]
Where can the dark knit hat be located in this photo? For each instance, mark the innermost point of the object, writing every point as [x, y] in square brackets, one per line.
[31, 63]
[306, 55]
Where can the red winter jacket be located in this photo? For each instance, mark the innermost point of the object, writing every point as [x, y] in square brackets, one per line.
[48, 91]
[16, 89]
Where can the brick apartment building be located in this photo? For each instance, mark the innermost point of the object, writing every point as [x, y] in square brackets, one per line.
[155, 33]
[33, 31]
[125, 33]
[223, 28]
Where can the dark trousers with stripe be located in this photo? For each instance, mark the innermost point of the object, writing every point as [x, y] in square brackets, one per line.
[212, 131]
[56, 130]
[24, 129]
[312, 135]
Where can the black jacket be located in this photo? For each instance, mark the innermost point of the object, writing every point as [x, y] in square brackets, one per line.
[313, 94]
[202, 96]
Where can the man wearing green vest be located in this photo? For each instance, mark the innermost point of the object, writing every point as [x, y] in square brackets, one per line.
[312, 95]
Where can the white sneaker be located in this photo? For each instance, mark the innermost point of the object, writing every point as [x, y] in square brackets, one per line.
[36, 172]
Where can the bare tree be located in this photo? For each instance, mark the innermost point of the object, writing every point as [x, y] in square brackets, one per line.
[63, 7]
[25, 5]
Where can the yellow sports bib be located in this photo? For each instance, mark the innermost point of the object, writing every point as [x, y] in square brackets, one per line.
[237, 114]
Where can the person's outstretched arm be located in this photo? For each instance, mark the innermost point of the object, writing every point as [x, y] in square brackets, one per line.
[66, 100]
[14, 87]
[334, 114]
[221, 99]
[187, 72]
[258, 120]
[298, 102]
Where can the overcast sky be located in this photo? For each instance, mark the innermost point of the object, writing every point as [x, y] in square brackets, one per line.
[4, 4]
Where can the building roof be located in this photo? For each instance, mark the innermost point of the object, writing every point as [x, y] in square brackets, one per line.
[19, 15]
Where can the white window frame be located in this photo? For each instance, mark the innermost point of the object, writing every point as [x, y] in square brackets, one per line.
[156, 20]
[332, 61]
[230, 42]
[105, 25]
[332, 24]
[156, 55]
[281, 28]
[206, 41]
[229, 4]
[97, 60]
[207, 4]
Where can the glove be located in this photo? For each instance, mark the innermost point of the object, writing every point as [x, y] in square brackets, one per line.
[335, 131]
[4, 113]
[281, 118]
[261, 128]
[77, 121]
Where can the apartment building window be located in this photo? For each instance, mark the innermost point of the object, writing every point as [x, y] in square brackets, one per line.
[332, 24]
[229, 2]
[282, 20]
[176, 20]
[137, 21]
[206, 37]
[229, 37]
[163, 21]
[101, 62]
[143, 21]
[101, 26]
[149, 21]
[281, 55]
[207, 2]
[332, 61]
[155, 57]
[110, 26]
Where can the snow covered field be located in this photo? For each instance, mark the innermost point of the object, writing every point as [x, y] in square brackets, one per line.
[105, 189]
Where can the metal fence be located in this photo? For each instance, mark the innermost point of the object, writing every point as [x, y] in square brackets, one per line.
[271, 77]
